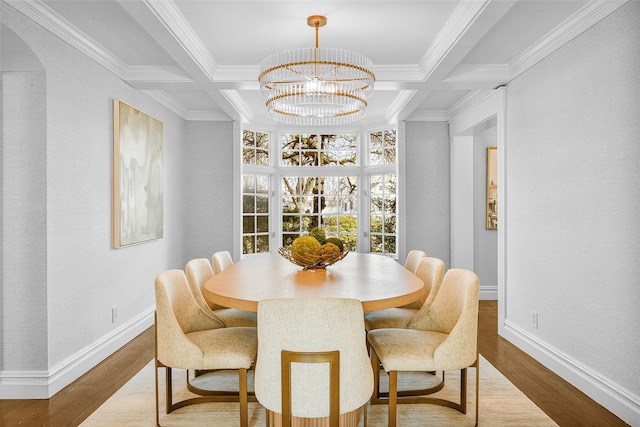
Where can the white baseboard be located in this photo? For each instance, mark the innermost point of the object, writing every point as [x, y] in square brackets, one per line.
[488, 292]
[616, 399]
[44, 384]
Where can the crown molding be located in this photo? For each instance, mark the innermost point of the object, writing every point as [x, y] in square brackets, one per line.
[590, 14]
[144, 73]
[238, 73]
[428, 116]
[207, 116]
[398, 104]
[468, 102]
[41, 14]
[189, 115]
[497, 74]
[173, 20]
[458, 23]
[238, 104]
[163, 98]
[248, 74]
[407, 73]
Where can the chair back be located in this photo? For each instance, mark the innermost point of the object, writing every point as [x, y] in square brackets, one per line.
[413, 259]
[431, 271]
[221, 261]
[198, 271]
[177, 314]
[454, 311]
[312, 325]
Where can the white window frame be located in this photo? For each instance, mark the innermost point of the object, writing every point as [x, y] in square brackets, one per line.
[362, 171]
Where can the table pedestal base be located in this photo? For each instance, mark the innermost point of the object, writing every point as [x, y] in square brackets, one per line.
[350, 419]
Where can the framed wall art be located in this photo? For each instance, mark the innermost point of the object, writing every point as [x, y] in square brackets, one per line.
[492, 188]
[138, 188]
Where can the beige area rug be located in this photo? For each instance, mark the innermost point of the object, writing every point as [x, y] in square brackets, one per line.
[501, 403]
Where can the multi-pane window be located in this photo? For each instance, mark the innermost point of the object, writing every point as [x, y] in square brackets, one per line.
[255, 214]
[383, 192]
[319, 150]
[382, 147]
[255, 148]
[255, 193]
[383, 213]
[323, 183]
[329, 202]
[321, 200]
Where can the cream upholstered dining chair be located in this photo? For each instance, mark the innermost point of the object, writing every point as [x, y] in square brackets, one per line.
[312, 360]
[413, 259]
[443, 338]
[412, 263]
[431, 271]
[221, 260]
[187, 337]
[198, 271]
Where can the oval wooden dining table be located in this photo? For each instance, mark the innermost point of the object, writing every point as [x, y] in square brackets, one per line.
[377, 281]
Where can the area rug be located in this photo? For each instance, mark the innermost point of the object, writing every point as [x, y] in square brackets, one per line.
[501, 403]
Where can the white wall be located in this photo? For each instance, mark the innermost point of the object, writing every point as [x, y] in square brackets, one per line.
[427, 189]
[573, 212]
[60, 275]
[24, 238]
[208, 189]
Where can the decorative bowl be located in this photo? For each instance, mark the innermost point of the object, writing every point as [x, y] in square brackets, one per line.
[312, 262]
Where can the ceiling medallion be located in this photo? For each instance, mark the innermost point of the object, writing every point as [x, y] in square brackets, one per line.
[316, 86]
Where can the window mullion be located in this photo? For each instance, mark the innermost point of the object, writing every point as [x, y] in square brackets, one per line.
[339, 203]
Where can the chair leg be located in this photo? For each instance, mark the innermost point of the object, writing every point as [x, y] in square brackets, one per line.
[393, 397]
[169, 391]
[477, 388]
[463, 390]
[366, 410]
[157, 400]
[244, 413]
[375, 365]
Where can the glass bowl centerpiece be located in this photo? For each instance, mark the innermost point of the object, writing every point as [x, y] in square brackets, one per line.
[314, 251]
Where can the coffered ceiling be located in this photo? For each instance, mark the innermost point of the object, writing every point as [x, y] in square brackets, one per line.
[201, 58]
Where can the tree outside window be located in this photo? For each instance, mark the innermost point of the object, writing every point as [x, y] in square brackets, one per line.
[330, 203]
[382, 222]
[323, 189]
[382, 194]
[255, 194]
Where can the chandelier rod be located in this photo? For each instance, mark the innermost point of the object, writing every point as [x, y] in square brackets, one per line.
[316, 21]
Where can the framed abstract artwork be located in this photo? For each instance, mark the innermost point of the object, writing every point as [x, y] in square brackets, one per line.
[138, 188]
[492, 188]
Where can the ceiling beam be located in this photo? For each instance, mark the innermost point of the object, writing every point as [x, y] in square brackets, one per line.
[469, 23]
[165, 23]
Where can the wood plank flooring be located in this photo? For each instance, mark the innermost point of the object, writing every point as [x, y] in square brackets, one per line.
[566, 405]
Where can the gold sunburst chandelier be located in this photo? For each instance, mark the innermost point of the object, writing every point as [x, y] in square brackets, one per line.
[316, 86]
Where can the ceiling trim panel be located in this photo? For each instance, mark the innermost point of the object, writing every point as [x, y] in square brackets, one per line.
[586, 17]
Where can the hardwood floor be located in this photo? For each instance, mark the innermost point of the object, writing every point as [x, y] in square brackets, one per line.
[561, 401]
[566, 405]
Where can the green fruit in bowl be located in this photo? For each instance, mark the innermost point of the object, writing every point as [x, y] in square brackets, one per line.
[306, 250]
[336, 242]
[329, 251]
[319, 234]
